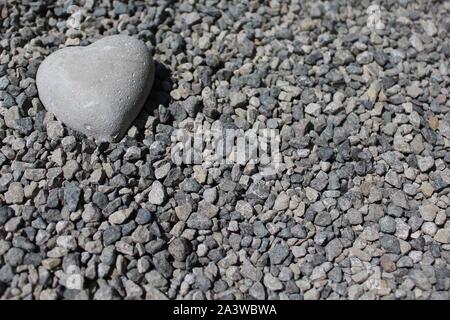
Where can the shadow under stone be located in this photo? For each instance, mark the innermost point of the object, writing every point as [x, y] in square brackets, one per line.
[159, 96]
[162, 85]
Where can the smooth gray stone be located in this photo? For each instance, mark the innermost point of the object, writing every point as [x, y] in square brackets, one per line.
[98, 89]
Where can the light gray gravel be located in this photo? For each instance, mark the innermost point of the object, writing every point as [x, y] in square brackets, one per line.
[360, 209]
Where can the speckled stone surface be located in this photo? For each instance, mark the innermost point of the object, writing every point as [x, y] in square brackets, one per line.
[98, 89]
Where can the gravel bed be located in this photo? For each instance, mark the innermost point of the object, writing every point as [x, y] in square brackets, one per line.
[360, 210]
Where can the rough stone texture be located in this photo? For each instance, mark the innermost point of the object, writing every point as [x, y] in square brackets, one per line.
[359, 209]
[98, 89]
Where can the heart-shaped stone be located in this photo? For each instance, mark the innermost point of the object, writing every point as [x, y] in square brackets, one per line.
[98, 89]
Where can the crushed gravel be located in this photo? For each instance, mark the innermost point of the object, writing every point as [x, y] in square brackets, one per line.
[361, 209]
